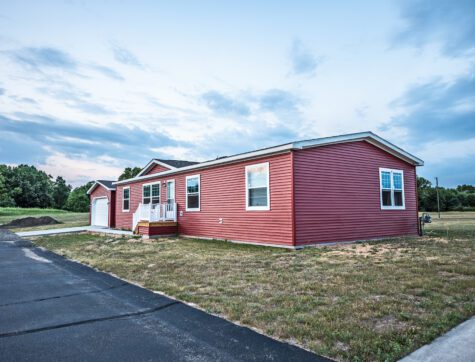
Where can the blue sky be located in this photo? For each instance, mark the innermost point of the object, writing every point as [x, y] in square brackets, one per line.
[90, 87]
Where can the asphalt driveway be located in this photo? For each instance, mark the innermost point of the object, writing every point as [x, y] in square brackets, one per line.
[55, 309]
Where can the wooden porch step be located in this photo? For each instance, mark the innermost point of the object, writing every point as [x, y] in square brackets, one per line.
[157, 223]
[156, 228]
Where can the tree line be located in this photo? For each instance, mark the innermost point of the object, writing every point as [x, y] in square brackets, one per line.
[26, 186]
[461, 198]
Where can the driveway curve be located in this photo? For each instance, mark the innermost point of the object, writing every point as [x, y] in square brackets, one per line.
[52, 308]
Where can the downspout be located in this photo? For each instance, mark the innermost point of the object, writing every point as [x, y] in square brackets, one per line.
[292, 203]
[419, 229]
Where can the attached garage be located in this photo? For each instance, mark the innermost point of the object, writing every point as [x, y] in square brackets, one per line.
[102, 196]
[100, 212]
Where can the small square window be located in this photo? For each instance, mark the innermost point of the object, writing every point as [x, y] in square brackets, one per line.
[151, 193]
[391, 189]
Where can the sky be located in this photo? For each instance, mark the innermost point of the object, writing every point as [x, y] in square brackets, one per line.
[88, 88]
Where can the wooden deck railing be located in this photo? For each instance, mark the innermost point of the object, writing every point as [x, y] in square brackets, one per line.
[154, 213]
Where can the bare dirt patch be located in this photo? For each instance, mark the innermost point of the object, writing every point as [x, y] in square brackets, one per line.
[367, 250]
[30, 221]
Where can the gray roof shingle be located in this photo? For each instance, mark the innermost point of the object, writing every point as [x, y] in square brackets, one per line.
[177, 163]
[107, 184]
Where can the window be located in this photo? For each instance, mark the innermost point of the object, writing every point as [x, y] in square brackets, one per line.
[193, 193]
[126, 199]
[257, 187]
[151, 193]
[392, 188]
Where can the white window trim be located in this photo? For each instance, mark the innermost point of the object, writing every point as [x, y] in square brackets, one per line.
[125, 188]
[199, 192]
[159, 190]
[258, 208]
[392, 207]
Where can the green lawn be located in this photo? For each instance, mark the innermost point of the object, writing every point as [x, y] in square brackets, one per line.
[378, 300]
[67, 218]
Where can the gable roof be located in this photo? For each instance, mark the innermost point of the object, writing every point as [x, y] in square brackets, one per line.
[177, 163]
[108, 185]
[369, 137]
[170, 164]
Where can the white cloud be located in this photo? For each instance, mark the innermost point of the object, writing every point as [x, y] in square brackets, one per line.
[78, 171]
[442, 152]
[352, 90]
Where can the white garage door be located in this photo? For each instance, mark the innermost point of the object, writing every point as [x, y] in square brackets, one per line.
[100, 212]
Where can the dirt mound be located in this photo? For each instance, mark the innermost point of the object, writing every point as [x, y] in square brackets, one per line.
[30, 221]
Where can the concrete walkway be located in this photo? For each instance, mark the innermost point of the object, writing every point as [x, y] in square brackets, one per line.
[73, 230]
[458, 345]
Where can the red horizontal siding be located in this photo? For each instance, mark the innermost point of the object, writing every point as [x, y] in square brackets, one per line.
[337, 194]
[223, 195]
[157, 169]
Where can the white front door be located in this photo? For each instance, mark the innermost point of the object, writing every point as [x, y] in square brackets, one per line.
[170, 198]
[100, 212]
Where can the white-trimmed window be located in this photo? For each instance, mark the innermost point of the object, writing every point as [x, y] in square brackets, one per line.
[193, 189]
[126, 198]
[257, 187]
[391, 188]
[151, 193]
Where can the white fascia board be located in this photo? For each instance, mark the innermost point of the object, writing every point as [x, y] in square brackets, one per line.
[230, 159]
[154, 162]
[95, 184]
[363, 136]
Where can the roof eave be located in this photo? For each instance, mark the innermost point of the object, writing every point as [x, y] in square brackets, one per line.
[152, 163]
[361, 136]
[207, 164]
[95, 184]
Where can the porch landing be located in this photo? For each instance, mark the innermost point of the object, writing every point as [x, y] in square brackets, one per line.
[150, 229]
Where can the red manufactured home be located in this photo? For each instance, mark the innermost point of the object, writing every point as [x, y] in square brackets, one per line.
[344, 188]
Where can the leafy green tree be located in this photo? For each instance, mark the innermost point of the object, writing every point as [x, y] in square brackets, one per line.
[423, 183]
[460, 198]
[450, 200]
[468, 188]
[29, 187]
[424, 194]
[60, 193]
[471, 200]
[5, 198]
[129, 172]
[78, 199]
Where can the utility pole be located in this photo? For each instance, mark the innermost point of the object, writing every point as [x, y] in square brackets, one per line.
[437, 190]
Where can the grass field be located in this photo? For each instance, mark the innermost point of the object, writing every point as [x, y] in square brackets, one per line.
[67, 218]
[378, 300]
[452, 222]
